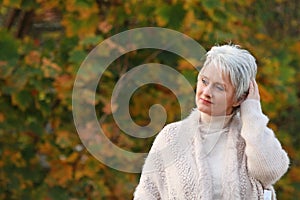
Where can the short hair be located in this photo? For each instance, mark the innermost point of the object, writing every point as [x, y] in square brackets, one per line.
[235, 61]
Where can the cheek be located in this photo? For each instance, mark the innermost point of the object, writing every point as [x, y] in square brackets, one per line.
[221, 99]
[198, 90]
[230, 100]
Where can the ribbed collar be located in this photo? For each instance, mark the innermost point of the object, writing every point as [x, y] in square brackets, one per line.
[212, 124]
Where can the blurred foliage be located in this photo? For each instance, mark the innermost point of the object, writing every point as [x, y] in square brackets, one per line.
[43, 44]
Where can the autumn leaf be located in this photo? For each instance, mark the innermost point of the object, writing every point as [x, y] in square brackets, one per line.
[60, 174]
[43, 44]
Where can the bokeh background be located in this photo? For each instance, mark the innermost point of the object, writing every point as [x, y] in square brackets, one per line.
[43, 43]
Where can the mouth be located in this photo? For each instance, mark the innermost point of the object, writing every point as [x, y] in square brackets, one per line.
[205, 101]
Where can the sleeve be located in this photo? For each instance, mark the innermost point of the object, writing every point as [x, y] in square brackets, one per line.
[147, 189]
[266, 160]
[151, 183]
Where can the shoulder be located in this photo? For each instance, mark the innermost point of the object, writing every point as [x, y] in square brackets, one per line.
[172, 127]
[163, 138]
[179, 130]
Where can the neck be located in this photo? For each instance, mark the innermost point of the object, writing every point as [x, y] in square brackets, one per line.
[214, 123]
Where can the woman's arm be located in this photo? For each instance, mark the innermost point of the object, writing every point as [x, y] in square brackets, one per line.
[151, 182]
[266, 160]
[147, 188]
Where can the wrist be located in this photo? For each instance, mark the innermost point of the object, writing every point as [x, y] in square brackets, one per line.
[250, 107]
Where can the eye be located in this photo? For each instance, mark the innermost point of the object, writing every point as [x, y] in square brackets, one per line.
[204, 81]
[220, 87]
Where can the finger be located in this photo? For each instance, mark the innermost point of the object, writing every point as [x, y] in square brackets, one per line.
[255, 91]
[251, 87]
[254, 84]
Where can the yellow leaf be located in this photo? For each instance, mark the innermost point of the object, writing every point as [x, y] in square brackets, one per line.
[63, 85]
[104, 26]
[296, 47]
[189, 18]
[59, 174]
[33, 58]
[127, 8]
[184, 65]
[295, 174]
[9, 3]
[49, 68]
[85, 169]
[161, 21]
[73, 157]
[63, 139]
[261, 36]
[17, 159]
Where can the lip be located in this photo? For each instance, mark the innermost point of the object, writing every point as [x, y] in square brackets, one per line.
[204, 101]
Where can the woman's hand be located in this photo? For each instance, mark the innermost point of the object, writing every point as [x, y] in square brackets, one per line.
[253, 91]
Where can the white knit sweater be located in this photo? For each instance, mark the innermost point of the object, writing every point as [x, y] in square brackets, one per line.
[213, 132]
[183, 162]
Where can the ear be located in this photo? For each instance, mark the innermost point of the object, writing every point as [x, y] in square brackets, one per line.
[240, 100]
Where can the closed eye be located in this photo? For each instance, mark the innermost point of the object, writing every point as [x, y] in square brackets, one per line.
[220, 87]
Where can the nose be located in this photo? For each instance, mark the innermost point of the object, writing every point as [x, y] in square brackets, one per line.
[207, 91]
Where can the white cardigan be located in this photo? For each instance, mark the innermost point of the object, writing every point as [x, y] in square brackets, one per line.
[177, 165]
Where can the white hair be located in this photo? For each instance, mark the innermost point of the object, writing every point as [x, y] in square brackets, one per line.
[237, 62]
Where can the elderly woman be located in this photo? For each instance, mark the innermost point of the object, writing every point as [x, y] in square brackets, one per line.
[224, 149]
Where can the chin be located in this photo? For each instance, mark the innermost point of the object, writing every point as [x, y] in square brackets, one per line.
[204, 110]
[209, 112]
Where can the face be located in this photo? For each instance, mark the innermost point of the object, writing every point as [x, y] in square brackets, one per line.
[215, 93]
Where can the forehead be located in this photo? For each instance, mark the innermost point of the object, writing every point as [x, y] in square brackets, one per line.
[215, 74]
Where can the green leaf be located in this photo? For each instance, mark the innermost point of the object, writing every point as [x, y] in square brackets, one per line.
[211, 4]
[58, 193]
[92, 40]
[172, 15]
[77, 56]
[22, 99]
[9, 52]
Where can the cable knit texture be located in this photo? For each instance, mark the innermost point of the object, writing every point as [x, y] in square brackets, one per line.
[179, 166]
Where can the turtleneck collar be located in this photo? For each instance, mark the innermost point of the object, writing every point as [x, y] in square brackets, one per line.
[214, 123]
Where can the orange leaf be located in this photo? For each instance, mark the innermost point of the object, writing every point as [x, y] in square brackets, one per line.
[33, 58]
[295, 174]
[2, 117]
[60, 174]
[63, 139]
[266, 96]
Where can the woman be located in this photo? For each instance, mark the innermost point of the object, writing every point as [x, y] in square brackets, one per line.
[224, 149]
